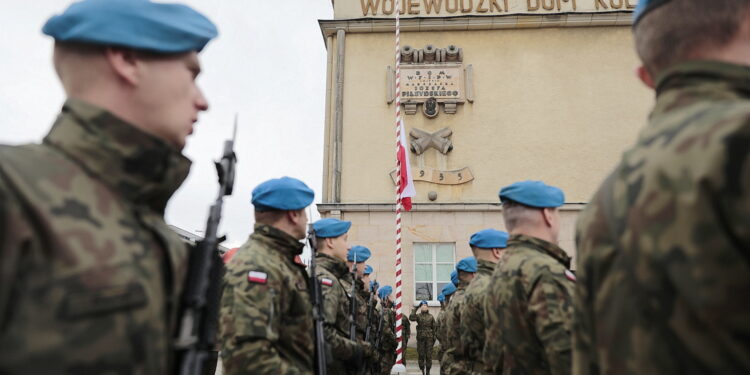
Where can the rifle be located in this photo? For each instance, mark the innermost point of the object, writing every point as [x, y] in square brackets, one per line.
[196, 340]
[353, 313]
[317, 299]
[370, 308]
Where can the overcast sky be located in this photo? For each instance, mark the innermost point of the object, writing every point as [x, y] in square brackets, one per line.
[268, 65]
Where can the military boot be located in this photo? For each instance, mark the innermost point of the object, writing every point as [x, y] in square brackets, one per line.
[428, 370]
[421, 369]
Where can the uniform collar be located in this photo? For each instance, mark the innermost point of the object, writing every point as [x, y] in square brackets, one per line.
[542, 246]
[140, 167]
[733, 77]
[485, 267]
[336, 266]
[278, 239]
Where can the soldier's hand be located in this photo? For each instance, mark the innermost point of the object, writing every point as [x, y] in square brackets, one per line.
[368, 352]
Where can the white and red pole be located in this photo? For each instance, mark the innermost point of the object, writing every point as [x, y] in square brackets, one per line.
[399, 366]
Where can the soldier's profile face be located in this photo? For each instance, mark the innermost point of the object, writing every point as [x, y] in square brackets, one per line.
[340, 246]
[168, 96]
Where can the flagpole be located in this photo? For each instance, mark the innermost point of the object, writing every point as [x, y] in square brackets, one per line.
[399, 366]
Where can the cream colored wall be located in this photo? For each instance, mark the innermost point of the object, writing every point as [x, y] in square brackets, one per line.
[556, 104]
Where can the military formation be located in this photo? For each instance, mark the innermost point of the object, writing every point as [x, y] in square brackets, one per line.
[93, 281]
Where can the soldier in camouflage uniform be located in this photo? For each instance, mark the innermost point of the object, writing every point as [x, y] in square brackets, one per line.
[528, 307]
[466, 270]
[266, 323]
[335, 280]
[663, 270]
[487, 246]
[388, 340]
[359, 286]
[425, 336]
[91, 275]
[440, 333]
[405, 334]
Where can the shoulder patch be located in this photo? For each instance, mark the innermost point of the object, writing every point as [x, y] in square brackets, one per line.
[257, 277]
[570, 275]
[326, 282]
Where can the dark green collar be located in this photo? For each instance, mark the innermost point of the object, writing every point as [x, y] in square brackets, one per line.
[336, 266]
[142, 168]
[542, 246]
[701, 72]
[278, 240]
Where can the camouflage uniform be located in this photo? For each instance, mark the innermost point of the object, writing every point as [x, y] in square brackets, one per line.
[405, 334]
[528, 310]
[425, 337]
[388, 340]
[345, 353]
[90, 276]
[440, 336]
[664, 277]
[267, 327]
[362, 298]
[455, 360]
[472, 323]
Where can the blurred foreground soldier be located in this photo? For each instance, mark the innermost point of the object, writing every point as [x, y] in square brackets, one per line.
[91, 276]
[425, 336]
[440, 334]
[266, 322]
[388, 338]
[528, 306]
[466, 269]
[664, 270]
[487, 246]
[335, 279]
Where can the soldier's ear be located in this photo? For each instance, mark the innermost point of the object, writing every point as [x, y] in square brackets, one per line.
[645, 76]
[123, 63]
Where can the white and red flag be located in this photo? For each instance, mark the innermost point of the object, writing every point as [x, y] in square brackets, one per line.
[406, 186]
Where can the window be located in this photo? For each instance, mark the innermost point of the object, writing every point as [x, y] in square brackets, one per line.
[433, 263]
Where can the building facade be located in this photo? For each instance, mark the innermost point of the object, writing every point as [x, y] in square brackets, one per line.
[494, 92]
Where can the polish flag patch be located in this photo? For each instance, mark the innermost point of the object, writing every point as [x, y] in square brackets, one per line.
[257, 277]
[326, 282]
[570, 275]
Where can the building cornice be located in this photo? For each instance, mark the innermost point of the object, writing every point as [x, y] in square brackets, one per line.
[324, 208]
[475, 22]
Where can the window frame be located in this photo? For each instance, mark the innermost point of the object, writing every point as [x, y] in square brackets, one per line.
[434, 263]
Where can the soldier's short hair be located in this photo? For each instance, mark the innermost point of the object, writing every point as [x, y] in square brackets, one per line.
[269, 217]
[516, 214]
[678, 30]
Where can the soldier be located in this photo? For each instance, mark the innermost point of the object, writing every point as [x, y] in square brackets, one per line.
[487, 246]
[388, 339]
[466, 270]
[405, 334]
[446, 292]
[528, 305]
[663, 245]
[361, 254]
[332, 249]
[425, 336]
[91, 276]
[266, 323]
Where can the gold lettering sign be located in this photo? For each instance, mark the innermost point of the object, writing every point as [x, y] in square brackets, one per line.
[449, 8]
[441, 82]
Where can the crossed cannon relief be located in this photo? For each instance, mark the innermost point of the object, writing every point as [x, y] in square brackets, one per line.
[438, 140]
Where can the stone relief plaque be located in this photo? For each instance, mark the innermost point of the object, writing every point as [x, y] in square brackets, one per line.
[422, 82]
[436, 176]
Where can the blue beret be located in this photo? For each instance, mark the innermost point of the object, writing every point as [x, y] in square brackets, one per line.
[285, 194]
[645, 6]
[441, 297]
[330, 227]
[454, 277]
[468, 264]
[489, 239]
[385, 291]
[138, 24]
[448, 289]
[361, 253]
[368, 269]
[533, 194]
[422, 302]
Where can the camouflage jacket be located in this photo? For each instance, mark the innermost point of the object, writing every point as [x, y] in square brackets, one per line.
[333, 275]
[440, 330]
[472, 324]
[528, 310]
[388, 339]
[425, 325]
[452, 355]
[266, 323]
[90, 275]
[363, 297]
[406, 329]
[663, 246]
